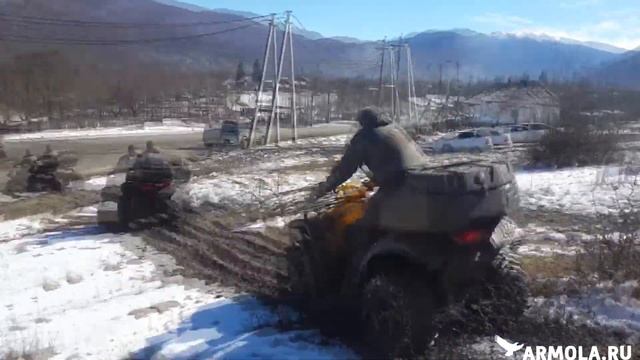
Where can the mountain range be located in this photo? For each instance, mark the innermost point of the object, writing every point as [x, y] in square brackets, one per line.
[477, 55]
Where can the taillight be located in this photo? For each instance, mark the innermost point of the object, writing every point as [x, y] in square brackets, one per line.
[151, 187]
[471, 237]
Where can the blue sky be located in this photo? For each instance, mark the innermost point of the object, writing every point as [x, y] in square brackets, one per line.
[616, 22]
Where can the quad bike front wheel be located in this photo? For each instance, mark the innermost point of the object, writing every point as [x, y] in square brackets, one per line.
[397, 315]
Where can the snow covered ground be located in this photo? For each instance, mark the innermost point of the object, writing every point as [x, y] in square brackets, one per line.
[276, 179]
[6, 199]
[604, 305]
[133, 130]
[29, 225]
[85, 294]
[97, 183]
[245, 189]
[588, 190]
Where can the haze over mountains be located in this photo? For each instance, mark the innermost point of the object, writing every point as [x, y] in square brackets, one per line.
[478, 55]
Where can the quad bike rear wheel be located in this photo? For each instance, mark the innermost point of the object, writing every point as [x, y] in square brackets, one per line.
[37, 183]
[502, 299]
[139, 211]
[397, 314]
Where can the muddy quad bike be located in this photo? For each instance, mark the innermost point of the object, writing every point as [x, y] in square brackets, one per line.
[43, 175]
[146, 193]
[441, 239]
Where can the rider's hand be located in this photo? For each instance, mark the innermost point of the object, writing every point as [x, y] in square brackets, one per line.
[320, 190]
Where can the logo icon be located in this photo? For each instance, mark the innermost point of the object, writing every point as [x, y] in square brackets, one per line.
[507, 346]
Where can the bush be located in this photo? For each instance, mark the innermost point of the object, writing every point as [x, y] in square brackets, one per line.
[614, 254]
[575, 146]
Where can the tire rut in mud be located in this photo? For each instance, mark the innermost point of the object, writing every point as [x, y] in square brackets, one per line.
[54, 203]
[206, 248]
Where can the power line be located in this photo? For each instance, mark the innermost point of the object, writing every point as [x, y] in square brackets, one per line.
[36, 20]
[299, 22]
[90, 42]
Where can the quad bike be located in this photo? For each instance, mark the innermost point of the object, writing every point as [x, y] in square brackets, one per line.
[146, 192]
[47, 173]
[151, 182]
[442, 239]
[43, 175]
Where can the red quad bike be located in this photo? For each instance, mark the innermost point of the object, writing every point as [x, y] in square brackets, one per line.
[442, 240]
[146, 193]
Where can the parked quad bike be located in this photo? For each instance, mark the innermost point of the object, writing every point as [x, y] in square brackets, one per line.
[398, 276]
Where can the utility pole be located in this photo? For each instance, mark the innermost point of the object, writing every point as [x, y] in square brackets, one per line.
[265, 60]
[393, 84]
[328, 106]
[395, 63]
[440, 80]
[409, 81]
[458, 81]
[381, 83]
[412, 83]
[276, 86]
[294, 119]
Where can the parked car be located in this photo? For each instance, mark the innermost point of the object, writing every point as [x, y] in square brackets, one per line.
[469, 140]
[498, 137]
[528, 132]
[230, 133]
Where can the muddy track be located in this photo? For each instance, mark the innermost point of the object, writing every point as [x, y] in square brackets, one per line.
[53, 203]
[247, 261]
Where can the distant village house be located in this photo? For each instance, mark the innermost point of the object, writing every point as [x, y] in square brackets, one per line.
[515, 105]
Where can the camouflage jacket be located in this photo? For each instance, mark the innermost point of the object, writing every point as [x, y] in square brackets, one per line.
[386, 150]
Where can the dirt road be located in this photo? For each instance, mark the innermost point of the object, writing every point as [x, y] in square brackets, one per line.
[99, 155]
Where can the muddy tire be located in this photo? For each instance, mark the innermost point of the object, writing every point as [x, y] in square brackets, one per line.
[125, 209]
[55, 185]
[502, 300]
[302, 263]
[33, 185]
[397, 315]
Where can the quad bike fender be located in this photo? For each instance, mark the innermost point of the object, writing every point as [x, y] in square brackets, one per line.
[505, 234]
[430, 254]
[389, 253]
